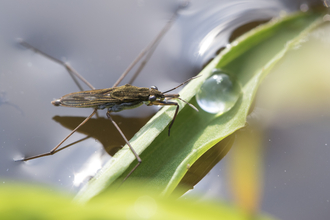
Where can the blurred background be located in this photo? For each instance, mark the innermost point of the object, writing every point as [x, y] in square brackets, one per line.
[286, 174]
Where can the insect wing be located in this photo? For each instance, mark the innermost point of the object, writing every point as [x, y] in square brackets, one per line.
[89, 99]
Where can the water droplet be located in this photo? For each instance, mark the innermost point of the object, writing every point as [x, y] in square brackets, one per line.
[219, 93]
[304, 7]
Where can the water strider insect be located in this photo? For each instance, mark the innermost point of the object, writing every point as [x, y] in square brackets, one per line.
[115, 99]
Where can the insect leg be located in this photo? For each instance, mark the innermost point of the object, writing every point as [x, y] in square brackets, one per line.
[148, 51]
[65, 65]
[175, 114]
[129, 145]
[55, 149]
[49, 153]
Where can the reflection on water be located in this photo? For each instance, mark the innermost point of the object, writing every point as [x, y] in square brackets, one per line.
[88, 170]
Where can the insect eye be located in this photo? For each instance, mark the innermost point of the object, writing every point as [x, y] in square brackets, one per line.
[152, 98]
[154, 87]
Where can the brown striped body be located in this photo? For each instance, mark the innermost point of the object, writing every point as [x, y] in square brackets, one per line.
[116, 99]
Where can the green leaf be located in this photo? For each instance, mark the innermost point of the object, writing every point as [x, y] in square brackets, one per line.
[32, 202]
[167, 159]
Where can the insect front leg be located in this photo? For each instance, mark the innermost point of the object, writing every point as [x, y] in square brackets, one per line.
[127, 142]
[168, 103]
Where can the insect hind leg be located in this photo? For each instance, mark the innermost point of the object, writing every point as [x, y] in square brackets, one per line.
[57, 149]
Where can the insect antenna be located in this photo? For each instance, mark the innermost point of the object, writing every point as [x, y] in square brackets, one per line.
[182, 84]
[177, 96]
